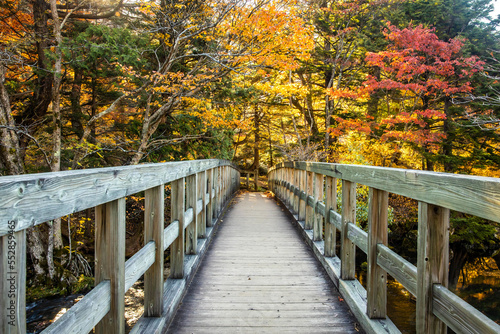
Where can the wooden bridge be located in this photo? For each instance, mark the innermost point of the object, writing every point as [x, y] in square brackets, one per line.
[257, 275]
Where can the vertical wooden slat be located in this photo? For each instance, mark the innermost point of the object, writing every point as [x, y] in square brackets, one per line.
[202, 193]
[309, 210]
[432, 263]
[348, 249]
[13, 281]
[216, 182]
[191, 200]
[209, 213]
[110, 262]
[153, 231]
[302, 203]
[178, 210]
[318, 196]
[378, 204]
[331, 204]
[296, 181]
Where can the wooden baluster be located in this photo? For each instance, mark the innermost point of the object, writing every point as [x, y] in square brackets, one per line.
[348, 249]
[318, 196]
[248, 181]
[191, 202]
[202, 194]
[215, 206]
[296, 182]
[153, 231]
[309, 209]
[290, 189]
[302, 203]
[13, 281]
[432, 263]
[331, 204]
[110, 262]
[178, 210]
[210, 209]
[378, 204]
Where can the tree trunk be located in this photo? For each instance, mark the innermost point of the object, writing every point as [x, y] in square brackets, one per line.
[457, 262]
[256, 152]
[448, 141]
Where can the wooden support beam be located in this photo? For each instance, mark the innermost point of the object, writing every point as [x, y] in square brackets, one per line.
[318, 196]
[210, 209]
[216, 183]
[378, 205]
[302, 203]
[110, 262]
[153, 231]
[13, 281]
[178, 208]
[348, 249]
[432, 263]
[331, 204]
[191, 201]
[309, 209]
[296, 183]
[202, 193]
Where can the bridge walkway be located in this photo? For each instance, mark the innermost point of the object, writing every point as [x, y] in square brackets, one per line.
[259, 276]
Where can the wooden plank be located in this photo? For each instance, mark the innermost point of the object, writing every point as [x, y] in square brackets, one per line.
[178, 208]
[378, 208]
[66, 192]
[139, 263]
[309, 208]
[153, 231]
[403, 271]
[202, 194]
[432, 263]
[170, 233]
[460, 316]
[209, 213]
[296, 183]
[348, 249]
[110, 262]
[13, 281]
[192, 202]
[475, 195]
[318, 197]
[84, 315]
[331, 204]
[302, 203]
[358, 237]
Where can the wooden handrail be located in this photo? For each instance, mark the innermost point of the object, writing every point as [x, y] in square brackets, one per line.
[29, 200]
[296, 184]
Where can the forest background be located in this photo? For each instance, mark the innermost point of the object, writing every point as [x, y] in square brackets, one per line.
[395, 83]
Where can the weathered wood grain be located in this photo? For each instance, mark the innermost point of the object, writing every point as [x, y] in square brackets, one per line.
[110, 262]
[63, 193]
[432, 263]
[202, 193]
[192, 202]
[358, 237]
[13, 282]
[400, 269]
[153, 231]
[376, 291]
[318, 216]
[137, 265]
[331, 204]
[178, 214]
[460, 316]
[475, 195]
[348, 248]
[170, 233]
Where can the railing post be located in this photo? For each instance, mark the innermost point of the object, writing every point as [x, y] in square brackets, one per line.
[216, 182]
[191, 202]
[153, 231]
[378, 204]
[178, 210]
[348, 249]
[290, 189]
[110, 262]
[296, 183]
[13, 281]
[202, 194]
[432, 263]
[309, 209]
[302, 203]
[210, 205]
[331, 204]
[318, 196]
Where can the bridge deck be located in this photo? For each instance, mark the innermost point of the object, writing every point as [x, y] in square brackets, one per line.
[258, 276]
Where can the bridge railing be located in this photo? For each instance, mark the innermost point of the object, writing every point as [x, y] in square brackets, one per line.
[310, 192]
[199, 191]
